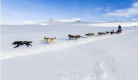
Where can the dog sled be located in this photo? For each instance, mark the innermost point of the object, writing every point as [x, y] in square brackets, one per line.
[118, 31]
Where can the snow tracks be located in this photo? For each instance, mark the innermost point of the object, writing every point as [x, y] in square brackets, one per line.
[6, 54]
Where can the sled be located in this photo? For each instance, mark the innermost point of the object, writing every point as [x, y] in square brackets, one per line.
[118, 31]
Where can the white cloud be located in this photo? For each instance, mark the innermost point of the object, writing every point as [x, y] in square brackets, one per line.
[109, 7]
[129, 12]
[107, 10]
[122, 3]
[134, 19]
[135, 5]
[98, 8]
[76, 19]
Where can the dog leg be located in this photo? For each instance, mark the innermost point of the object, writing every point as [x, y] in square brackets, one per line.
[27, 45]
[30, 44]
[50, 42]
[77, 39]
[16, 46]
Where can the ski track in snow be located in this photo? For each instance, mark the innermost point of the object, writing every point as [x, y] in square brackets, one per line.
[57, 47]
[103, 70]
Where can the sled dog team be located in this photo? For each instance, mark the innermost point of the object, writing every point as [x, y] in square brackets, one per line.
[51, 40]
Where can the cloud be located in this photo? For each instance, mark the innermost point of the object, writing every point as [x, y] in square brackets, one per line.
[122, 3]
[76, 19]
[134, 19]
[129, 12]
[98, 8]
[107, 10]
[135, 5]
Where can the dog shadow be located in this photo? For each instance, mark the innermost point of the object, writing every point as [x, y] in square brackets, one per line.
[72, 39]
[68, 39]
[20, 46]
[85, 37]
[64, 39]
[44, 42]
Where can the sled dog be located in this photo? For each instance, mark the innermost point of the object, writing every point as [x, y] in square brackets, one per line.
[106, 32]
[112, 32]
[49, 40]
[18, 43]
[100, 33]
[90, 34]
[74, 36]
[103, 34]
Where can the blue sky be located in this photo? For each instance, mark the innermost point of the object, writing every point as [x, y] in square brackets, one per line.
[17, 11]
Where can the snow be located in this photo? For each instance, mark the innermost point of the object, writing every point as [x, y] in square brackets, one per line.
[33, 23]
[77, 21]
[109, 57]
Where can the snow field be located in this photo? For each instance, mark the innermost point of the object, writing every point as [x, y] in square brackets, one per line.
[94, 58]
[57, 46]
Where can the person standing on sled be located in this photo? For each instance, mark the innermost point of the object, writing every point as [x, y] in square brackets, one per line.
[119, 27]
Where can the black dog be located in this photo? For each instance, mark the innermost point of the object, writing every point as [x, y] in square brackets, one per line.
[74, 36]
[22, 43]
[112, 32]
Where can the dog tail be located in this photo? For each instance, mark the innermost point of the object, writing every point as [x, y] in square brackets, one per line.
[30, 41]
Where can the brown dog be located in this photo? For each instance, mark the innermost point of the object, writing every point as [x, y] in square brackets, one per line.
[49, 40]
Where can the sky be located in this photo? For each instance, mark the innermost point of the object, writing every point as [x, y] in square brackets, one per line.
[18, 11]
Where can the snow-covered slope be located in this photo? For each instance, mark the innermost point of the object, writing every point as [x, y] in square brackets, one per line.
[54, 22]
[33, 23]
[132, 23]
[109, 57]
[73, 21]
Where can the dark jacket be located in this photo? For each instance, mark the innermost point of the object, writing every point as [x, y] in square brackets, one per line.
[119, 27]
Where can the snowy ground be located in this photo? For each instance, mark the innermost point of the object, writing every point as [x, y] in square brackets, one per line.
[109, 57]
